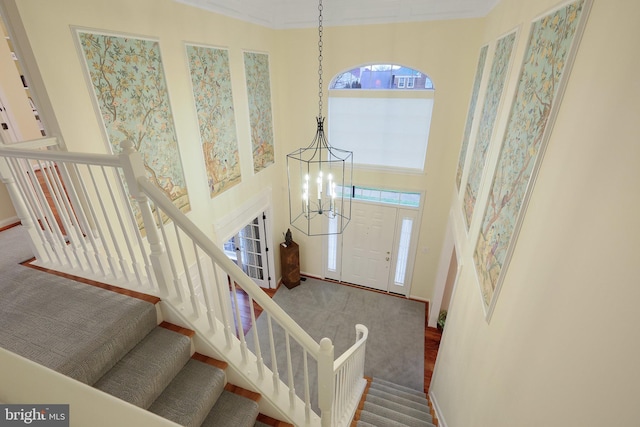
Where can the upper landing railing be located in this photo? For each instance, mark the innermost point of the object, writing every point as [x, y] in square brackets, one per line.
[97, 216]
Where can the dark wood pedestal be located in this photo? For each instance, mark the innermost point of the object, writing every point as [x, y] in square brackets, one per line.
[290, 264]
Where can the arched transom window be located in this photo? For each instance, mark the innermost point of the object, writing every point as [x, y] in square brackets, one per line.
[381, 76]
[382, 112]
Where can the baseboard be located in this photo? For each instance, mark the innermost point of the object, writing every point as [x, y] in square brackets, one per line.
[439, 415]
[313, 276]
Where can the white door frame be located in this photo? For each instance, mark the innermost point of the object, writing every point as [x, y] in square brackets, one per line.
[229, 225]
[336, 274]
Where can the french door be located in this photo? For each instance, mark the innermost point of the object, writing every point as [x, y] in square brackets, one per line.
[376, 250]
[250, 249]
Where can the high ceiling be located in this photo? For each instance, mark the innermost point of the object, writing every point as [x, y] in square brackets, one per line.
[304, 13]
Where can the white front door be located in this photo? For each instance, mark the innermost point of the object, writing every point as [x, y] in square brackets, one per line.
[368, 245]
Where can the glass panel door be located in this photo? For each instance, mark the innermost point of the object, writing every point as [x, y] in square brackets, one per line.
[251, 253]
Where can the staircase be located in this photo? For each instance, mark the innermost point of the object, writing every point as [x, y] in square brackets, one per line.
[161, 375]
[97, 216]
[386, 404]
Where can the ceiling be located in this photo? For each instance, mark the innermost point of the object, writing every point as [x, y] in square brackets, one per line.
[280, 14]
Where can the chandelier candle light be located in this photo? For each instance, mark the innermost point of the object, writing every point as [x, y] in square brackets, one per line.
[320, 177]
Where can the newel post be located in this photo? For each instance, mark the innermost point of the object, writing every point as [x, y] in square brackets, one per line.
[133, 167]
[325, 382]
[7, 178]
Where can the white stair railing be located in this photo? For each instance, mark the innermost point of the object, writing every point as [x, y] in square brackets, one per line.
[78, 211]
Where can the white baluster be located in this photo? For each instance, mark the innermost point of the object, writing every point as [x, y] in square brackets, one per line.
[274, 361]
[203, 286]
[96, 228]
[243, 342]
[145, 259]
[258, 350]
[7, 176]
[325, 382]
[307, 391]
[57, 196]
[292, 388]
[77, 213]
[175, 279]
[185, 267]
[111, 235]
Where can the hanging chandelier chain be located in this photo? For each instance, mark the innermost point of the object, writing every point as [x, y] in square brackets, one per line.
[320, 29]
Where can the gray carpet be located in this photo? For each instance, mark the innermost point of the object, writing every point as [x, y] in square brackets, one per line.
[40, 318]
[395, 348]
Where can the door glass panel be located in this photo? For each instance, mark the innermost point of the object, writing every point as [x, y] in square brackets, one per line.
[250, 251]
[403, 251]
[332, 244]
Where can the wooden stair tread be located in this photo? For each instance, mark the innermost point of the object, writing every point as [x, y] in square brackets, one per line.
[243, 392]
[179, 329]
[210, 361]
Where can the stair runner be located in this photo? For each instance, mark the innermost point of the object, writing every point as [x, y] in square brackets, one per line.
[159, 374]
[391, 405]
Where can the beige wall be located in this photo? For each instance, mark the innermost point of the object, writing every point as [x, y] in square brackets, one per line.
[561, 347]
[445, 50]
[447, 53]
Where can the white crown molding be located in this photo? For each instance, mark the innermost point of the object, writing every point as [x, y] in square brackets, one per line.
[287, 14]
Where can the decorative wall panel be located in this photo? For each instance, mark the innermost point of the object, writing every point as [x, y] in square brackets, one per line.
[551, 46]
[472, 108]
[131, 94]
[260, 115]
[211, 84]
[493, 95]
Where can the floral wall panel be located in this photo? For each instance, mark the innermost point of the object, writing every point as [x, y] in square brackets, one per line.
[211, 83]
[131, 92]
[497, 77]
[256, 67]
[472, 108]
[548, 55]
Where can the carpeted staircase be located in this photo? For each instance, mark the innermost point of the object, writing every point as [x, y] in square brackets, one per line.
[386, 404]
[159, 374]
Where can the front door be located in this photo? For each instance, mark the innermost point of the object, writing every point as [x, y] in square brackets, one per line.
[368, 245]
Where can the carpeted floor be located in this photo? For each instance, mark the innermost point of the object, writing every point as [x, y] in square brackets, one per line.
[62, 324]
[395, 348]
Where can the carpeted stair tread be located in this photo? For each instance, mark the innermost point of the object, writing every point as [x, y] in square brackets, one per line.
[232, 410]
[380, 421]
[405, 419]
[143, 373]
[396, 392]
[259, 424]
[424, 407]
[70, 327]
[415, 413]
[188, 399]
[364, 424]
[399, 387]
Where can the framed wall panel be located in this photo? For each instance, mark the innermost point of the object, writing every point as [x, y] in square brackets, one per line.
[551, 47]
[213, 98]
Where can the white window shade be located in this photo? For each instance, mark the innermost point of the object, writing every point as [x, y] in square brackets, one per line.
[389, 132]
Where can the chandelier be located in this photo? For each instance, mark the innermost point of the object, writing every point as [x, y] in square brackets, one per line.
[320, 176]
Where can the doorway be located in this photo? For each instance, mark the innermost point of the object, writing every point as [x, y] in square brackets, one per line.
[377, 249]
[248, 249]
